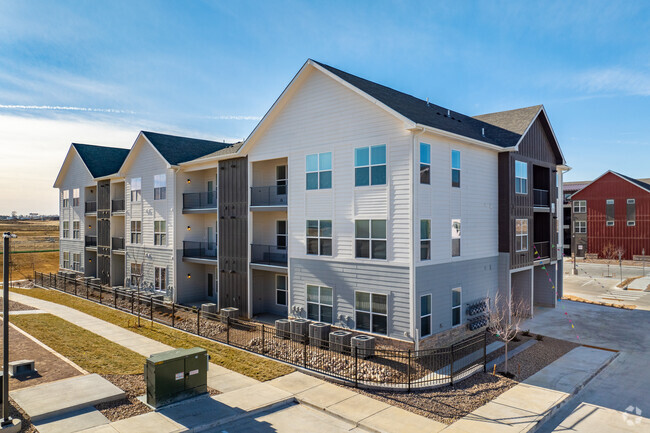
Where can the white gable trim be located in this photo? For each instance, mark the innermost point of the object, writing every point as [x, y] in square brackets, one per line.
[608, 171]
[127, 160]
[72, 151]
[548, 122]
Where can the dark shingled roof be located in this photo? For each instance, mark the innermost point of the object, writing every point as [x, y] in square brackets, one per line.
[516, 121]
[101, 160]
[182, 149]
[637, 182]
[419, 111]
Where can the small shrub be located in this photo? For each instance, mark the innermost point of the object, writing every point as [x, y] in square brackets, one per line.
[526, 333]
[539, 337]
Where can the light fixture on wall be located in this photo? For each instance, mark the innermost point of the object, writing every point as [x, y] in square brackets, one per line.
[89, 226]
[90, 260]
[189, 228]
[189, 181]
[189, 276]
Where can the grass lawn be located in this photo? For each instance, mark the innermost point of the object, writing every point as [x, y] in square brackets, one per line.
[88, 350]
[233, 359]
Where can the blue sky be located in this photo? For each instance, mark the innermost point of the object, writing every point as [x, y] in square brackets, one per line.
[212, 69]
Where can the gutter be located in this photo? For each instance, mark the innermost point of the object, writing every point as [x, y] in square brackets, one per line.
[425, 128]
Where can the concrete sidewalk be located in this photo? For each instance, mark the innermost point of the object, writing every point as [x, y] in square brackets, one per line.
[589, 418]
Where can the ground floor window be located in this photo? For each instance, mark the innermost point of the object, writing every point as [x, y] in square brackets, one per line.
[136, 273]
[66, 260]
[160, 279]
[76, 261]
[425, 315]
[281, 289]
[319, 303]
[455, 306]
[371, 312]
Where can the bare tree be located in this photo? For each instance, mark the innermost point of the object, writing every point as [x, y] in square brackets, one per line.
[611, 253]
[505, 319]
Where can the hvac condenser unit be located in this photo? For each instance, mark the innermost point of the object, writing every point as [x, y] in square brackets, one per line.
[282, 328]
[229, 312]
[364, 345]
[340, 341]
[319, 334]
[300, 330]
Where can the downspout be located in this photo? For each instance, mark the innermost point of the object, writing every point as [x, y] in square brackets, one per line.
[412, 187]
[174, 249]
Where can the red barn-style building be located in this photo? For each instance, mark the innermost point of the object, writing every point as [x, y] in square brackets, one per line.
[617, 213]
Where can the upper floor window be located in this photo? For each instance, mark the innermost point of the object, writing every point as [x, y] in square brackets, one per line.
[370, 165]
[425, 239]
[319, 304]
[580, 206]
[610, 212]
[580, 227]
[319, 237]
[319, 171]
[136, 189]
[371, 312]
[75, 197]
[425, 315]
[521, 177]
[160, 232]
[521, 235]
[456, 310]
[455, 237]
[455, 168]
[160, 187]
[66, 198]
[631, 212]
[370, 239]
[76, 229]
[281, 235]
[425, 163]
[66, 229]
[136, 232]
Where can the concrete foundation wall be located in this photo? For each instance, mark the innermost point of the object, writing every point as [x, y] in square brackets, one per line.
[544, 293]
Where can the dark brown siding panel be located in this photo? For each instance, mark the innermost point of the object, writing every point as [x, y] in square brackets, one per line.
[104, 231]
[233, 234]
[504, 202]
[536, 144]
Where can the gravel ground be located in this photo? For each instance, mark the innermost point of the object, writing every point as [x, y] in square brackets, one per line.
[536, 357]
[16, 412]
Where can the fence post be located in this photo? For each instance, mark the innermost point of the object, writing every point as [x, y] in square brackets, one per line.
[198, 321]
[87, 294]
[50, 280]
[304, 352]
[132, 302]
[263, 338]
[485, 353]
[151, 309]
[227, 329]
[173, 315]
[408, 370]
[452, 366]
[115, 298]
[356, 367]
[100, 294]
[75, 287]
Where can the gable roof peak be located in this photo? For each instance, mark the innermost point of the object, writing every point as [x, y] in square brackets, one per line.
[101, 160]
[177, 149]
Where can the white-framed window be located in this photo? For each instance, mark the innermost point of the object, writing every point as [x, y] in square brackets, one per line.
[136, 231]
[580, 227]
[160, 187]
[631, 212]
[281, 179]
[371, 312]
[425, 163]
[281, 234]
[521, 177]
[66, 229]
[160, 279]
[610, 211]
[160, 232]
[66, 198]
[319, 237]
[76, 229]
[456, 310]
[455, 168]
[320, 303]
[66, 260]
[370, 165]
[370, 239]
[580, 206]
[75, 197]
[425, 239]
[136, 273]
[76, 261]
[136, 189]
[281, 289]
[425, 315]
[455, 237]
[521, 234]
[319, 170]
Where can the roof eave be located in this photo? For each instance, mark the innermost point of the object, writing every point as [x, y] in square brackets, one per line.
[463, 138]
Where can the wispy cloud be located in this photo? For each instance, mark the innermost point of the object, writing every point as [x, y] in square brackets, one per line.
[64, 108]
[234, 117]
[615, 80]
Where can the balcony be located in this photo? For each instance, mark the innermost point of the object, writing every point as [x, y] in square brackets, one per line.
[91, 207]
[540, 198]
[117, 206]
[200, 202]
[117, 244]
[200, 251]
[91, 241]
[269, 196]
[542, 250]
[269, 255]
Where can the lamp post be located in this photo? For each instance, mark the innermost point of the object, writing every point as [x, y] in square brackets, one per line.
[6, 423]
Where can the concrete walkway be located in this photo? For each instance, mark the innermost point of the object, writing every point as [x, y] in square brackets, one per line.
[589, 418]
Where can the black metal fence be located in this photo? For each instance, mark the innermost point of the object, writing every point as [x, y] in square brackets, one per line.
[200, 249]
[380, 368]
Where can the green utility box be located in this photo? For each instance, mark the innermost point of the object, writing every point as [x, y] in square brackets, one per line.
[176, 375]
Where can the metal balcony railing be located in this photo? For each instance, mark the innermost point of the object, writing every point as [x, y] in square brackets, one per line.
[117, 244]
[275, 195]
[540, 197]
[91, 241]
[117, 205]
[543, 250]
[200, 200]
[91, 206]
[200, 250]
[268, 255]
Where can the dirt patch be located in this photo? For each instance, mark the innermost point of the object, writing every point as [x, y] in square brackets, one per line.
[604, 304]
[16, 306]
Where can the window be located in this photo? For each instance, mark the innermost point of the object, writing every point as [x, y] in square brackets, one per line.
[425, 315]
[66, 260]
[425, 239]
[160, 279]
[580, 227]
[319, 171]
[455, 168]
[160, 187]
[76, 261]
[521, 234]
[136, 232]
[370, 239]
[319, 237]
[75, 197]
[631, 212]
[580, 206]
[610, 212]
[281, 235]
[136, 273]
[66, 229]
[160, 232]
[455, 306]
[75, 229]
[455, 238]
[136, 189]
[370, 165]
[319, 304]
[425, 163]
[521, 177]
[281, 289]
[281, 179]
[371, 312]
[66, 198]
